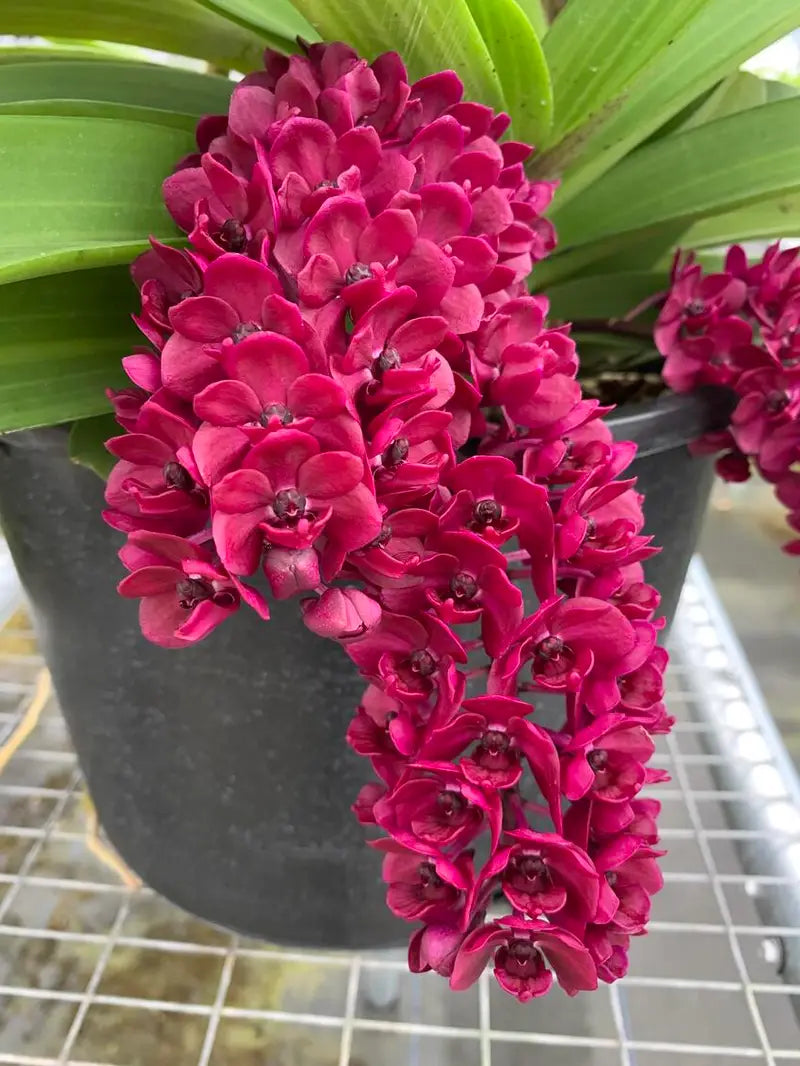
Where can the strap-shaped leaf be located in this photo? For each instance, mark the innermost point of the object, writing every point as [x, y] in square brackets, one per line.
[778, 217]
[271, 18]
[722, 35]
[430, 35]
[101, 109]
[595, 48]
[166, 89]
[46, 53]
[535, 14]
[180, 26]
[87, 443]
[711, 169]
[79, 192]
[520, 65]
[61, 341]
[604, 295]
[737, 92]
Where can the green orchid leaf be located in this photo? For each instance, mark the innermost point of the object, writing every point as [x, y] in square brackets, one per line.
[179, 26]
[637, 251]
[738, 92]
[46, 53]
[100, 109]
[709, 47]
[269, 18]
[595, 49]
[780, 90]
[536, 15]
[430, 35]
[777, 217]
[61, 344]
[80, 192]
[714, 168]
[604, 296]
[166, 89]
[520, 65]
[87, 443]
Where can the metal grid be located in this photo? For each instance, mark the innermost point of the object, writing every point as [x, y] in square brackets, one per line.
[92, 971]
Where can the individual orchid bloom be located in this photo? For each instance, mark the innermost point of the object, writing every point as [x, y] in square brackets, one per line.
[230, 308]
[599, 522]
[428, 888]
[585, 447]
[342, 246]
[695, 303]
[286, 492]
[164, 276]
[709, 357]
[626, 588]
[341, 614]
[438, 810]
[184, 592]
[127, 404]
[575, 644]
[770, 282]
[407, 656]
[386, 728]
[463, 579]
[491, 500]
[407, 456]
[291, 571]
[542, 874]
[381, 723]
[517, 322]
[151, 487]
[636, 818]
[312, 163]
[434, 947]
[268, 386]
[364, 805]
[386, 561]
[630, 876]
[537, 385]
[521, 951]
[221, 210]
[392, 355]
[500, 729]
[609, 949]
[770, 398]
[606, 759]
[644, 687]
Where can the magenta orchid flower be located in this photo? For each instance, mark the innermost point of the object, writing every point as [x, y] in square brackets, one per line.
[345, 385]
[184, 593]
[606, 759]
[521, 950]
[287, 492]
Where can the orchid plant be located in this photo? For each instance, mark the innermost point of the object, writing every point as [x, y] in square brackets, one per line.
[354, 375]
[347, 387]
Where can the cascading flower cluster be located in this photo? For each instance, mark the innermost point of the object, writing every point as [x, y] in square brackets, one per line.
[741, 329]
[347, 388]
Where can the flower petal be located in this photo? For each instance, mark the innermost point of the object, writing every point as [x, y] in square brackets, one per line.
[227, 403]
[242, 283]
[329, 474]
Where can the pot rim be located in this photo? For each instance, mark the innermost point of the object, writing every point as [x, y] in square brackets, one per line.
[672, 420]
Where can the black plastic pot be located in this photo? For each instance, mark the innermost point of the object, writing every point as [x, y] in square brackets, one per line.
[220, 773]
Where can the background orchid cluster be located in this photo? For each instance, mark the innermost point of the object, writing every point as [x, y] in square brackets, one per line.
[347, 387]
[740, 329]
